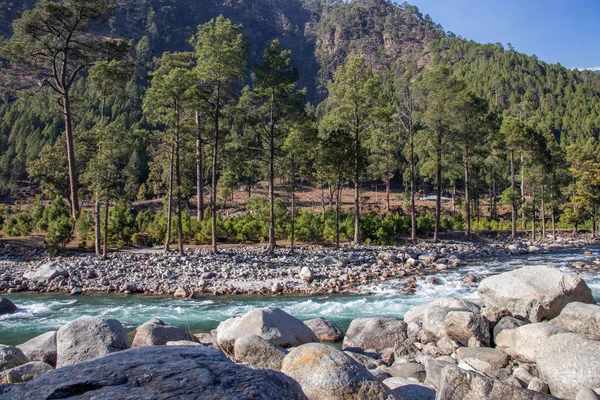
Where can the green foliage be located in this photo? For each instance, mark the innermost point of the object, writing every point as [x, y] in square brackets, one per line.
[59, 233]
[19, 225]
[84, 226]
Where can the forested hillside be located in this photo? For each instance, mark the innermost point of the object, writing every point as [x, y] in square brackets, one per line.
[313, 92]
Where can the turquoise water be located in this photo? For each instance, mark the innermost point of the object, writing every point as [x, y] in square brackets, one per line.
[41, 313]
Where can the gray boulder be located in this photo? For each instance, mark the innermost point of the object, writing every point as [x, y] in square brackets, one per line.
[407, 389]
[7, 306]
[508, 323]
[433, 370]
[374, 334]
[325, 330]
[258, 352]
[158, 373]
[325, 373]
[46, 272]
[494, 357]
[580, 318]
[87, 338]
[458, 384]
[407, 370]
[25, 372]
[464, 325]
[569, 362]
[523, 343]
[11, 357]
[535, 292]
[41, 348]
[270, 323]
[156, 333]
[432, 316]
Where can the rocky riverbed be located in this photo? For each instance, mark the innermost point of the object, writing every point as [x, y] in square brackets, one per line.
[533, 334]
[247, 269]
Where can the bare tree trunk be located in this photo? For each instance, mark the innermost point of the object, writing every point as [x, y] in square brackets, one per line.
[337, 216]
[199, 171]
[454, 200]
[413, 217]
[356, 183]
[543, 212]
[512, 189]
[97, 226]
[213, 195]
[72, 171]
[533, 213]
[467, 196]
[438, 197]
[105, 248]
[323, 198]
[293, 227]
[387, 192]
[523, 188]
[170, 204]
[178, 192]
[553, 225]
[594, 222]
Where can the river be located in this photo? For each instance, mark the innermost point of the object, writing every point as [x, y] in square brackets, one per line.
[40, 313]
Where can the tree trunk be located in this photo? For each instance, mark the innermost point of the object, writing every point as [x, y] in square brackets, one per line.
[213, 183]
[178, 191]
[293, 227]
[272, 242]
[413, 217]
[105, 248]
[387, 192]
[323, 197]
[467, 196]
[97, 226]
[533, 213]
[170, 200]
[594, 222]
[454, 200]
[356, 183]
[543, 212]
[199, 172]
[523, 188]
[553, 225]
[72, 171]
[438, 197]
[337, 216]
[512, 189]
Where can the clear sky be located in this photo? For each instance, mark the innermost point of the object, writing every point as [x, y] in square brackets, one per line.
[557, 31]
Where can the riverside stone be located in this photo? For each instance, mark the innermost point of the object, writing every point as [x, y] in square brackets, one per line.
[156, 333]
[258, 352]
[87, 338]
[374, 334]
[458, 384]
[158, 373]
[11, 357]
[46, 272]
[525, 342]
[270, 323]
[507, 323]
[494, 357]
[580, 318]
[325, 373]
[462, 326]
[325, 330]
[7, 306]
[535, 292]
[569, 362]
[24, 373]
[408, 389]
[41, 348]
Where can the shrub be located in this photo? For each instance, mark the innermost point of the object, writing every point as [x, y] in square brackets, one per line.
[59, 233]
[19, 225]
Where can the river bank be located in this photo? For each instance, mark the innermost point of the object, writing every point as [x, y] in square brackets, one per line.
[248, 270]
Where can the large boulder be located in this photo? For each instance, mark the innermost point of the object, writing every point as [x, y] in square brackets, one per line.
[507, 323]
[458, 384]
[535, 292]
[270, 323]
[325, 330]
[41, 348]
[87, 338]
[494, 357]
[580, 318]
[325, 373]
[156, 333]
[7, 306]
[11, 357]
[432, 316]
[258, 352]
[523, 343]
[374, 334]
[407, 389]
[569, 362]
[158, 373]
[25, 372]
[46, 272]
[461, 326]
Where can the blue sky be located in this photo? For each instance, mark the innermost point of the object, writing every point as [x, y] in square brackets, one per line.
[557, 31]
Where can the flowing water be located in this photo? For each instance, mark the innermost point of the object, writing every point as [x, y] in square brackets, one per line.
[41, 313]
